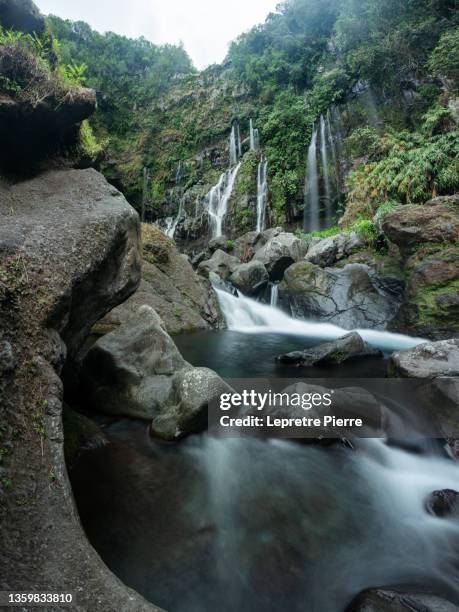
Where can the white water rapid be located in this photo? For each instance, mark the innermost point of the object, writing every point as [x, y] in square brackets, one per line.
[358, 517]
[262, 193]
[218, 198]
[245, 315]
[311, 188]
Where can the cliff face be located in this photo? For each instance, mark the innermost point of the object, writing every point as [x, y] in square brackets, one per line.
[69, 252]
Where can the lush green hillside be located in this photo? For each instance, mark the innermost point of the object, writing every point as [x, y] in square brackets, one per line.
[390, 68]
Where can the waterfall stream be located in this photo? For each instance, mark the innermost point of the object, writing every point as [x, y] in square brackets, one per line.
[218, 198]
[254, 137]
[249, 316]
[234, 146]
[274, 295]
[311, 188]
[172, 222]
[325, 169]
[262, 193]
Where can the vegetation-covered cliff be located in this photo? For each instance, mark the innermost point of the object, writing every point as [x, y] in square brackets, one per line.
[386, 74]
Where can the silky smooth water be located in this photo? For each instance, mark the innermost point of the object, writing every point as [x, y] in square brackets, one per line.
[252, 525]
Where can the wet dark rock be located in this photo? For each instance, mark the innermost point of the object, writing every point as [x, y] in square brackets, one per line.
[280, 251]
[221, 242]
[350, 346]
[427, 360]
[245, 245]
[385, 600]
[411, 225]
[7, 358]
[443, 503]
[21, 15]
[80, 433]
[249, 278]
[220, 263]
[328, 251]
[70, 247]
[137, 371]
[184, 300]
[351, 297]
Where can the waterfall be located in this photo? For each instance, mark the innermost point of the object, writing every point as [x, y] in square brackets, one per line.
[325, 174]
[233, 146]
[218, 198]
[239, 142]
[171, 222]
[249, 316]
[274, 295]
[334, 152]
[262, 193]
[311, 188]
[254, 138]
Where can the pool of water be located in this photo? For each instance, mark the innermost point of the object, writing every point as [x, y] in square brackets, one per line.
[249, 525]
[238, 355]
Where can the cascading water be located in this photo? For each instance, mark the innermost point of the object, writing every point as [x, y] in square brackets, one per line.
[246, 315]
[172, 222]
[356, 517]
[274, 295]
[311, 188]
[254, 137]
[262, 193]
[233, 146]
[218, 198]
[334, 152]
[325, 170]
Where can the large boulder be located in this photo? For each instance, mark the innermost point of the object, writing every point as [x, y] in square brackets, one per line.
[350, 346]
[386, 600]
[432, 281]
[249, 277]
[427, 360]
[352, 296]
[246, 245]
[69, 252]
[184, 300]
[411, 225]
[279, 252]
[21, 15]
[328, 251]
[138, 372]
[220, 263]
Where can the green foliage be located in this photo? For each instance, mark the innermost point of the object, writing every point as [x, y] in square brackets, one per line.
[74, 74]
[332, 231]
[413, 168]
[229, 245]
[363, 141]
[90, 146]
[365, 230]
[384, 209]
[438, 120]
[444, 59]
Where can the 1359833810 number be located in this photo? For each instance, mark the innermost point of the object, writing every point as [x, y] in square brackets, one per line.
[35, 599]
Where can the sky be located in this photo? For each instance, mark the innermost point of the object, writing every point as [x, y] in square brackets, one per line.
[205, 27]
